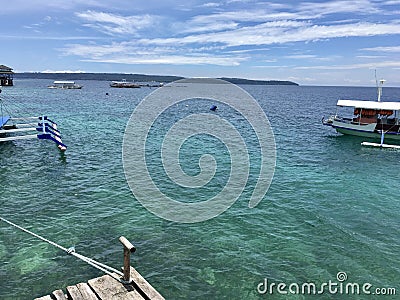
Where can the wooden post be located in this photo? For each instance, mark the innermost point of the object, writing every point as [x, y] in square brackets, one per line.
[128, 249]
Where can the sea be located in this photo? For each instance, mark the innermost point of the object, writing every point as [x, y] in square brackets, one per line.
[327, 228]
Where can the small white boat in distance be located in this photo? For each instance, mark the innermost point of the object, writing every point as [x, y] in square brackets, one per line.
[151, 84]
[124, 84]
[67, 85]
[371, 119]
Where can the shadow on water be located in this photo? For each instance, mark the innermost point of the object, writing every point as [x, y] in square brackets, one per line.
[354, 142]
[63, 157]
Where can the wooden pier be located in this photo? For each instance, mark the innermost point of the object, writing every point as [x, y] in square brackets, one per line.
[106, 287]
[6, 76]
[132, 286]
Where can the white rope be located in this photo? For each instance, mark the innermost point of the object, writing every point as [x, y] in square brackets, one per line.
[106, 269]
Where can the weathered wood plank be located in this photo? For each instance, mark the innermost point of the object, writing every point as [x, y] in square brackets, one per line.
[106, 287]
[44, 298]
[86, 291]
[58, 295]
[81, 291]
[144, 286]
[74, 293]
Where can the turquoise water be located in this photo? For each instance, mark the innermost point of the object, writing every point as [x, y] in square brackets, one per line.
[332, 206]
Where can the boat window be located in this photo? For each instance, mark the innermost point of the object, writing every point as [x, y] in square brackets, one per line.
[386, 112]
[368, 112]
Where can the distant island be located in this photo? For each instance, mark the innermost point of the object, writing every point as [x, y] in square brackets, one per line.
[258, 82]
[137, 77]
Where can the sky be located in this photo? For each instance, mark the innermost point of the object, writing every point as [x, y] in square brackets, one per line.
[309, 42]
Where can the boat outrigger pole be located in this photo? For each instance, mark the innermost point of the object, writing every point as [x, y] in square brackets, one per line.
[382, 144]
[50, 132]
[46, 128]
[12, 129]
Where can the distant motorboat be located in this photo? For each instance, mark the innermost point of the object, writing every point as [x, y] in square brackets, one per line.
[67, 85]
[124, 84]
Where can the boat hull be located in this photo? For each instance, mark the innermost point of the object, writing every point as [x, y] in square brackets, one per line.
[65, 88]
[372, 135]
[368, 131]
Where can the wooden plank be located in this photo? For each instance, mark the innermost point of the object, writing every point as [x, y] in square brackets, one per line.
[144, 286]
[81, 291]
[74, 293]
[44, 298]
[106, 287]
[58, 295]
[86, 291]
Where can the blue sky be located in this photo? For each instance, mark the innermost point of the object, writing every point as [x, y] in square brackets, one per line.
[311, 42]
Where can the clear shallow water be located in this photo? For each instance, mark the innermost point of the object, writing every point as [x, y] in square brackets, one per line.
[332, 205]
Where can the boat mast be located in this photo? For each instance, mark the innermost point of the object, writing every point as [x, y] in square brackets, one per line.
[381, 81]
[380, 89]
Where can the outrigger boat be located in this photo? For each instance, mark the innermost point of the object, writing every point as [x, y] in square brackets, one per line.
[41, 127]
[372, 119]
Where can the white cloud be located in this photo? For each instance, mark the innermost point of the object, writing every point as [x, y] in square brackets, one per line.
[254, 49]
[254, 15]
[300, 56]
[62, 71]
[266, 11]
[117, 24]
[41, 36]
[393, 49]
[197, 28]
[18, 6]
[211, 4]
[372, 65]
[271, 66]
[391, 2]
[230, 31]
[95, 51]
[369, 56]
[131, 53]
[173, 60]
[342, 6]
[280, 32]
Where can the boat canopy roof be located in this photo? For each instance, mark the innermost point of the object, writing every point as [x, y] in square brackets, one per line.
[63, 82]
[369, 104]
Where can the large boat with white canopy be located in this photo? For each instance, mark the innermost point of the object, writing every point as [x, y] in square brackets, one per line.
[65, 85]
[372, 119]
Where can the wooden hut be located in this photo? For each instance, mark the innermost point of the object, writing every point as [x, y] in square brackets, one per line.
[6, 76]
